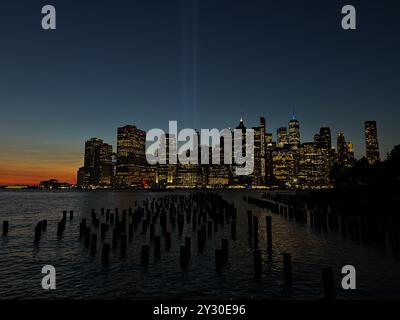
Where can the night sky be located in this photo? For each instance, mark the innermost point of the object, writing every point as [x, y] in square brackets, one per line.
[204, 63]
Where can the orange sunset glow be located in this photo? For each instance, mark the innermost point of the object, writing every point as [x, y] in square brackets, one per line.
[31, 166]
[31, 175]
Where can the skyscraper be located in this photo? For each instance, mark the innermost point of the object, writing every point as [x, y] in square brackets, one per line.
[282, 137]
[240, 179]
[324, 139]
[313, 166]
[262, 123]
[259, 154]
[97, 169]
[294, 133]
[106, 175]
[284, 167]
[350, 153]
[131, 156]
[262, 148]
[269, 147]
[371, 142]
[316, 139]
[166, 172]
[341, 149]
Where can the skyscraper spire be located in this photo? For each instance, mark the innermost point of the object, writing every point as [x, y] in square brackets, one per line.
[293, 115]
[241, 125]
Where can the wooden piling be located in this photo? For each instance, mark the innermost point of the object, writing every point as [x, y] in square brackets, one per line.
[225, 250]
[152, 230]
[184, 256]
[269, 234]
[188, 245]
[180, 224]
[59, 228]
[233, 230]
[255, 233]
[328, 284]
[115, 237]
[103, 230]
[200, 239]
[130, 230]
[93, 244]
[123, 244]
[87, 236]
[250, 223]
[144, 227]
[218, 260]
[257, 263]
[144, 256]
[105, 253]
[194, 222]
[287, 268]
[5, 228]
[209, 229]
[157, 247]
[38, 232]
[168, 241]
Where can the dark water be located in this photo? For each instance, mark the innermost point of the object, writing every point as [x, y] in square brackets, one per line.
[80, 275]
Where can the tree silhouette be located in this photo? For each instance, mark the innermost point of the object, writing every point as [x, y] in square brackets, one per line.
[381, 176]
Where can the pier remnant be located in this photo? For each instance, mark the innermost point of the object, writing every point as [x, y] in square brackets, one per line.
[5, 228]
[328, 284]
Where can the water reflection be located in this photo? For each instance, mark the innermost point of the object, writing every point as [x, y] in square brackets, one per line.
[82, 275]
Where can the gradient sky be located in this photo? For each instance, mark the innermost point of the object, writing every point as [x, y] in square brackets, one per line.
[204, 63]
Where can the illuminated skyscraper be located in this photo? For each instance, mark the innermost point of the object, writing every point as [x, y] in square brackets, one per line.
[192, 174]
[114, 166]
[269, 148]
[131, 157]
[166, 172]
[97, 169]
[131, 145]
[314, 166]
[284, 166]
[341, 149]
[350, 153]
[218, 175]
[282, 137]
[345, 152]
[242, 127]
[316, 139]
[106, 174]
[294, 133]
[262, 145]
[262, 123]
[258, 176]
[268, 140]
[324, 139]
[240, 179]
[371, 142]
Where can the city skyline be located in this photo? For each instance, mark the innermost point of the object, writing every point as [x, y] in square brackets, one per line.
[60, 173]
[287, 161]
[276, 137]
[203, 63]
